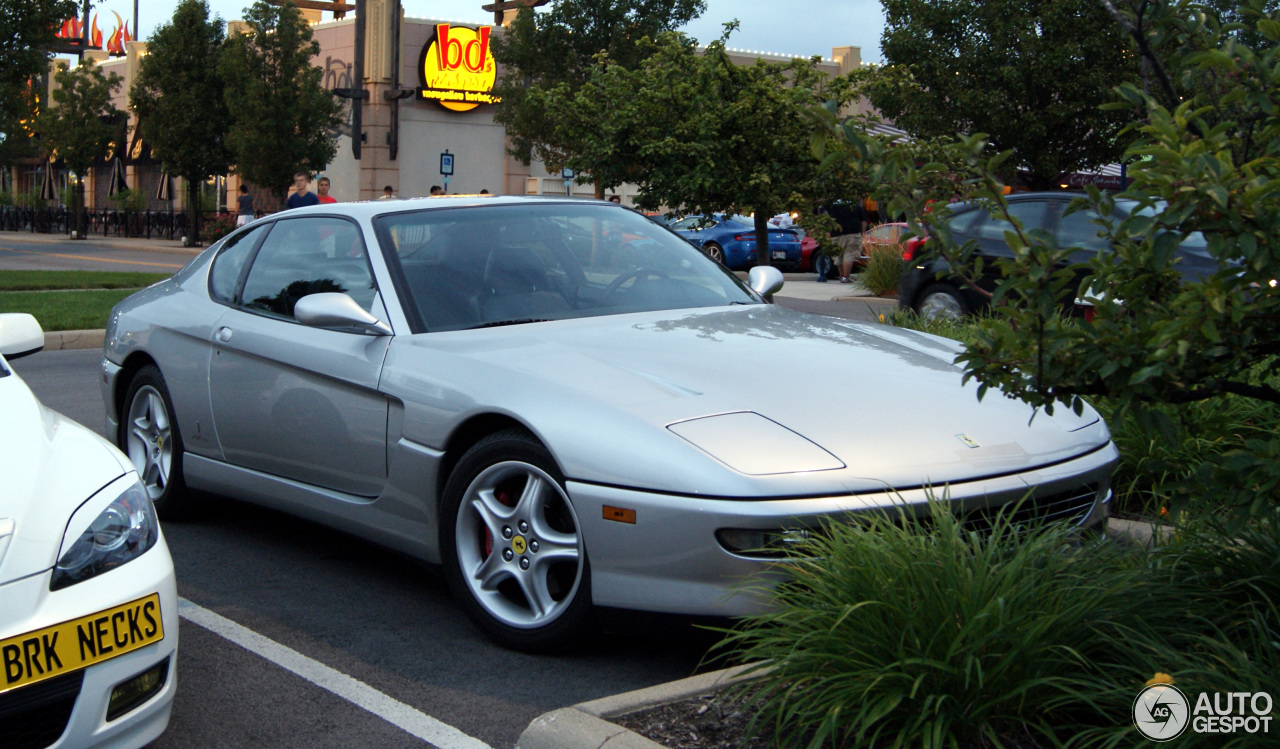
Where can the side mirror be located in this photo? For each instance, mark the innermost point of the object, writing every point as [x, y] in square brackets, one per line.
[765, 280]
[20, 334]
[331, 309]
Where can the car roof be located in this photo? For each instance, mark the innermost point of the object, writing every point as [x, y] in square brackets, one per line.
[368, 209]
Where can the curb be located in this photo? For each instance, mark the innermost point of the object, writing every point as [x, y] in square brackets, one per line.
[586, 725]
[68, 340]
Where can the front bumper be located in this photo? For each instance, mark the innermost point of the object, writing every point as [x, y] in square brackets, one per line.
[29, 605]
[669, 560]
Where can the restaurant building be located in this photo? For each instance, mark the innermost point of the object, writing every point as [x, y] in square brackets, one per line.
[418, 103]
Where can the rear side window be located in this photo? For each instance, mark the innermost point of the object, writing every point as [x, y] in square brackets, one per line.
[230, 261]
[1030, 212]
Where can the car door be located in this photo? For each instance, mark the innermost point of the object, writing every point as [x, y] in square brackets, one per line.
[292, 400]
[989, 230]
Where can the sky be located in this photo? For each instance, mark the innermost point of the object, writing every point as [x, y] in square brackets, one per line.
[792, 27]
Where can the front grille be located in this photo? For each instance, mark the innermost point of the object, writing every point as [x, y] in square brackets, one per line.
[1071, 506]
[33, 717]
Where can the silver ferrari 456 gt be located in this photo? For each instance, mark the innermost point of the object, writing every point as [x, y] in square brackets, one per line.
[562, 403]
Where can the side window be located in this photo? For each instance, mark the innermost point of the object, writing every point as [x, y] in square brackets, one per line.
[1079, 230]
[1029, 212]
[308, 256]
[230, 261]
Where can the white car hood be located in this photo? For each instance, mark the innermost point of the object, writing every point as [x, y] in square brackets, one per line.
[49, 465]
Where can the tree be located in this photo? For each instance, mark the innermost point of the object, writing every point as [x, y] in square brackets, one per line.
[1030, 73]
[281, 116]
[178, 96]
[698, 132]
[1209, 163]
[83, 125]
[27, 29]
[542, 51]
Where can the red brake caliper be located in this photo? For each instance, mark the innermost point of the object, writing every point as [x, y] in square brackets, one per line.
[502, 497]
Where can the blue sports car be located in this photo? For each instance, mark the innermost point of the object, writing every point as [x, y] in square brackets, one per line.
[732, 240]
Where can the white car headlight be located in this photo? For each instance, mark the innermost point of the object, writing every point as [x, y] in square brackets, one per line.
[118, 534]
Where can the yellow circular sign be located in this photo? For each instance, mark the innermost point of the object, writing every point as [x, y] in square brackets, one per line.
[458, 69]
[517, 544]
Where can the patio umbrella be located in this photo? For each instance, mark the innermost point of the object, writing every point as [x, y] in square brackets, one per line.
[165, 191]
[119, 182]
[47, 190]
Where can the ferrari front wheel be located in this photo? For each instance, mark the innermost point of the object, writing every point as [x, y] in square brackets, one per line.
[512, 546]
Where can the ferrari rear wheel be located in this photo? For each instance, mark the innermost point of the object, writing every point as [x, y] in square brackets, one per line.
[512, 546]
[149, 436]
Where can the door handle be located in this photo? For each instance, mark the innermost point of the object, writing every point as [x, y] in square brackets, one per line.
[223, 335]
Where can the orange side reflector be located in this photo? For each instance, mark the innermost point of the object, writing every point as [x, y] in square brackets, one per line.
[620, 514]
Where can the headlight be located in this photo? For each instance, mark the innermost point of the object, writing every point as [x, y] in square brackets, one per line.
[120, 533]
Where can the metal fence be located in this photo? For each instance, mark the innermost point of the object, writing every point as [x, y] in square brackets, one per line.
[103, 222]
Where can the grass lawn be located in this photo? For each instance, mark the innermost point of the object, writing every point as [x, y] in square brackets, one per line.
[36, 280]
[66, 310]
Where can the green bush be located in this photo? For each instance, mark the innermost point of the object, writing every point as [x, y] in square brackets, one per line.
[883, 271]
[129, 199]
[1167, 452]
[926, 634]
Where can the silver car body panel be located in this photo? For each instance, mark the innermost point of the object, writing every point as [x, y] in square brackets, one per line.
[354, 431]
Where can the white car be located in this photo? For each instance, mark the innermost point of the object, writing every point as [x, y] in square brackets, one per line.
[88, 603]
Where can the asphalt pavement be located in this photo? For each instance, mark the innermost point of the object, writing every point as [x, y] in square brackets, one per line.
[23, 251]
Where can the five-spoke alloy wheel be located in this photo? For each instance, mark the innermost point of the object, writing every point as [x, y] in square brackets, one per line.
[149, 436]
[512, 546]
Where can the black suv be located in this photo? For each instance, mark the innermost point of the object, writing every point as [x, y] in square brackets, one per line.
[931, 289]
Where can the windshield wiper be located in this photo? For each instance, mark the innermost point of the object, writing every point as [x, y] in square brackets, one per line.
[501, 323]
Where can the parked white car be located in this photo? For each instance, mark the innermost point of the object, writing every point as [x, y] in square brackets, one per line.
[88, 603]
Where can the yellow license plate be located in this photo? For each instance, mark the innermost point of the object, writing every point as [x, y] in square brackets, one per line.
[62, 648]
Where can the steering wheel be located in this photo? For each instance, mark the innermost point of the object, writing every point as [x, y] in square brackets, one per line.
[637, 273]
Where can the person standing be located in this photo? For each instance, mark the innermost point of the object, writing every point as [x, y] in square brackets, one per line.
[322, 191]
[302, 195]
[388, 193]
[244, 211]
[853, 222]
[437, 190]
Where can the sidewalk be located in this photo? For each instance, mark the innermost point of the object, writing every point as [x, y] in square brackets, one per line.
[110, 243]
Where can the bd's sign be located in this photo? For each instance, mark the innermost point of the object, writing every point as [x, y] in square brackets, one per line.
[457, 69]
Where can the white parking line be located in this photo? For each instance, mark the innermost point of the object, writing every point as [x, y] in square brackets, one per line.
[357, 692]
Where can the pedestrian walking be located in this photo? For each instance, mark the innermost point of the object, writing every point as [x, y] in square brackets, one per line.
[853, 222]
[302, 195]
[244, 210]
[322, 191]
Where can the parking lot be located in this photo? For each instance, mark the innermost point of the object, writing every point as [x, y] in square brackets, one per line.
[294, 634]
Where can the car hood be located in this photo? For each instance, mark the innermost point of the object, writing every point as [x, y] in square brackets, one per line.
[50, 465]
[887, 403]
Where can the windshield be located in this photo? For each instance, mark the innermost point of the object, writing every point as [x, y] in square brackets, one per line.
[484, 266]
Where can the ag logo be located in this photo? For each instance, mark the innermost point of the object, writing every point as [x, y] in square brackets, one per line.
[1160, 712]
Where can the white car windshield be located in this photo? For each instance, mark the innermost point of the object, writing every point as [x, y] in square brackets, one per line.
[494, 265]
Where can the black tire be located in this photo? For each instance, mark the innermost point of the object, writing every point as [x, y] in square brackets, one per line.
[714, 251]
[140, 419]
[941, 301]
[515, 451]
